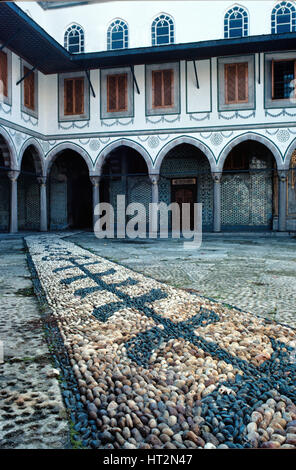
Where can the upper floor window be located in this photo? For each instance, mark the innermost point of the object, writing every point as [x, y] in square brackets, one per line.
[29, 89]
[283, 18]
[163, 30]
[73, 96]
[162, 88]
[236, 83]
[283, 75]
[236, 23]
[117, 93]
[117, 35]
[3, 75]
[74, 39]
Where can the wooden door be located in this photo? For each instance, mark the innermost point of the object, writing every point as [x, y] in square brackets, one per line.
[182, 195]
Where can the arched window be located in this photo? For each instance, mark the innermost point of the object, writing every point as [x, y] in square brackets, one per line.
[163, 30]
[283, 18]
[117, 35]
[236, 23]
[74, 39]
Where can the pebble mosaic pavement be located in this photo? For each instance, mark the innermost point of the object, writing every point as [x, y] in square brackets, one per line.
[148, 365]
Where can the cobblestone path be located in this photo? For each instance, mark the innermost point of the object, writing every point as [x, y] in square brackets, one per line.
[254, 273]
[152, 366]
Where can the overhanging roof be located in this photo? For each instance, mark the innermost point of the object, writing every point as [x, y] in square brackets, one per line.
[31, 42]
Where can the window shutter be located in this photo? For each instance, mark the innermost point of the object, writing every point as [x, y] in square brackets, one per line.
[68, 96]
[79, 95]
[156, 88]
[29, 89]
[168, 88]
[122, 92]
[230, 79]
[3, 72]
[111, 90]
[31, 80]
[242, 82]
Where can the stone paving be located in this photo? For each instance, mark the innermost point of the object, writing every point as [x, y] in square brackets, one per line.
[255, 273]
[32, 413]
[158, 367]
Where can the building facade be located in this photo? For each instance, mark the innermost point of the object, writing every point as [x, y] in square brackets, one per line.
[161, 101]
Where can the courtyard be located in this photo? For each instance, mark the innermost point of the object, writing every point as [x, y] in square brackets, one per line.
[256, 273]
[141, 344]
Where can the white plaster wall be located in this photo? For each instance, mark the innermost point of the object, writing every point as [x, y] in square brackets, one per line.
[214, 130]
[194, 20]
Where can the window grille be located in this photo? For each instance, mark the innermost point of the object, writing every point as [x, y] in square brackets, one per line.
[74, 39]
[283, 18]
[236, 23]
[117, 35]
[162, 30]
[283, 74]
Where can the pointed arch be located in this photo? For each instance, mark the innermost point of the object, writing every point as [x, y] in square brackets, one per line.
[37, 154]
[54, 152]
[102, 156]
[8, 150]
[254, 137]
[185, 140]
[289, 152]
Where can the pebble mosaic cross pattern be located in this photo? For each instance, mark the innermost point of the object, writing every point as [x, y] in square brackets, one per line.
[158, 367]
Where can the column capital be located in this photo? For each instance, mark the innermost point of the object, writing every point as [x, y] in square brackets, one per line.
[216, 175]
[42, 179]
[282, 175]
[95, 179]
[154, 178]
[13, 175]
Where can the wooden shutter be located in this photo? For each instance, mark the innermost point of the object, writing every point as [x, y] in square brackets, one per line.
[236, 83]
[162, 88]
[122, 92]
[168, 88]
[157, 88]
[230, 79]
[74, 96]
[111, 93]
[117, 93]
[4, 73]
[79, 96]
[242, 82]
[68, 96]
[29, 89]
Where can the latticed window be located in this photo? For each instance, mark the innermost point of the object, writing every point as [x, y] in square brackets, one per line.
[236, 83]
[163, 30]
[29, 89]
[162, 88]
[117, 35]
[74, 39]
[283, 75]
[236, 23]
[283, 18]
[74, 96]
[117, 93]
[3, 74]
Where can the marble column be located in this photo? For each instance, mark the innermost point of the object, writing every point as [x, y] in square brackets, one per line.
[217, 201]
[96, 195]
[13, 176]
[43, 203]
[282, 179]
[154, 218]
